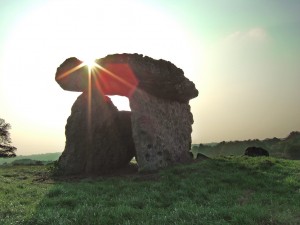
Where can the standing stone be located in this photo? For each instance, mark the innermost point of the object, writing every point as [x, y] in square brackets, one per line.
[161, 131]
[97, 139]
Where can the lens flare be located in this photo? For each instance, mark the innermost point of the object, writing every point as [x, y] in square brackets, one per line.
[90, 63]
[94, 79]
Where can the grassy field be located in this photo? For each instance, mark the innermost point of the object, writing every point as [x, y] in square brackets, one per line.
[40, 157]
[231, 190]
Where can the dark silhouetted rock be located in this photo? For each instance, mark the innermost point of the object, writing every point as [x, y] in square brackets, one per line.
[72, 75]
[256, 151]
[97, 140]
[159, 78]
[159, 126]
[124, 123]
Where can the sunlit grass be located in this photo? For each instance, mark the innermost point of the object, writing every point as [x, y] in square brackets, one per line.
[232, 190]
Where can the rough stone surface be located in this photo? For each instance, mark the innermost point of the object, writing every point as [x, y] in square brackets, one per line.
[72, 75]
[159, 78]
[99, 143]
[256, 151]
[161, 131]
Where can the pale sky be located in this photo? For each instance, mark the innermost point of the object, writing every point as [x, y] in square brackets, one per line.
[243, 56]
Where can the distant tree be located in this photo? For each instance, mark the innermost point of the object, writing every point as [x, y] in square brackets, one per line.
[6, 150]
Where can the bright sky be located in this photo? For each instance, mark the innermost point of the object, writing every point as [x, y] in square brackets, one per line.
[242, 55]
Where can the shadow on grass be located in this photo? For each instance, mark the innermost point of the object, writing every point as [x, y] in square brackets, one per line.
[228, 190]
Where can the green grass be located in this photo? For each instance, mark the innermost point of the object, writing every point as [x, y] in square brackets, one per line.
[231, 190]
[38, 157]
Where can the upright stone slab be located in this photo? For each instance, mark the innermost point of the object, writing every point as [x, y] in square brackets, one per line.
[97, 137]
[161, 131]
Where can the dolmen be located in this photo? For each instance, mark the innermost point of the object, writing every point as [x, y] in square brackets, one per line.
[99, 138]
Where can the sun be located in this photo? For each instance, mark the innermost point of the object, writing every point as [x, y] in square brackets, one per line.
[90, 62]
